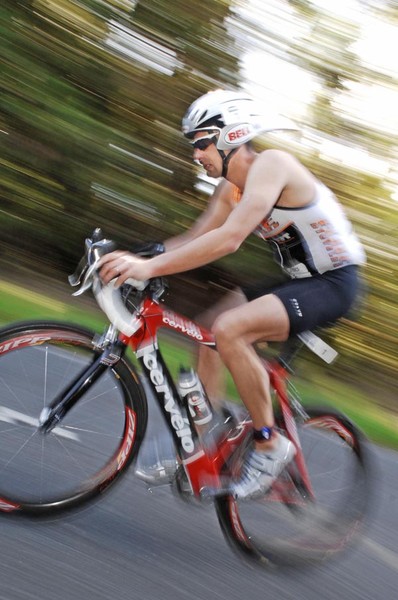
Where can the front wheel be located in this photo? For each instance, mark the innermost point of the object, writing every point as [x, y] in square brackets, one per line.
[94, 443]
[300, 521]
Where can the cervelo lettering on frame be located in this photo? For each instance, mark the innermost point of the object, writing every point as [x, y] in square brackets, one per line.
[179, 423]
[176, 322]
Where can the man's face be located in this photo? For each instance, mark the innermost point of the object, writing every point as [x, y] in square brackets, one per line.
[205, 153]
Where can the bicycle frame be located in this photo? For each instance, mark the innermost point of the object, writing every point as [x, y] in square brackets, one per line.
[202, 465]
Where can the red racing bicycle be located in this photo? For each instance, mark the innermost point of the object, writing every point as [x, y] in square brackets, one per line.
[74, 412]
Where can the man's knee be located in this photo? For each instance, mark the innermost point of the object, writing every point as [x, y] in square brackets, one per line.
[223, 329]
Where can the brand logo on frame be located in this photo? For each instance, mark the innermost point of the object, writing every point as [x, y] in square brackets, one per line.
[179, 423]
[174, 321]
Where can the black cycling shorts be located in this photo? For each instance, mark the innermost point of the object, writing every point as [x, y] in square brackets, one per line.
[316, 301]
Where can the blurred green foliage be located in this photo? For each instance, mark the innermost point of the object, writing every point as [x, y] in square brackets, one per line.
[92, 94]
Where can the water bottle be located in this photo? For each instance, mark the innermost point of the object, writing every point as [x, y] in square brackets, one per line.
[191, 390]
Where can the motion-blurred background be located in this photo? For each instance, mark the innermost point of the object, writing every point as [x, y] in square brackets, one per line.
[92, 95]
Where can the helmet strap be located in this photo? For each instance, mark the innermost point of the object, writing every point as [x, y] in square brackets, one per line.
[226, 159]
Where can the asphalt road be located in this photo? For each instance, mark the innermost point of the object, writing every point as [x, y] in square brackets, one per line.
[138, 544]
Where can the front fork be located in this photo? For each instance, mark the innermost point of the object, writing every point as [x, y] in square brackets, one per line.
[55, 411]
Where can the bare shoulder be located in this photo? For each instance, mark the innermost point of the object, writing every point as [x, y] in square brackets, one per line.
[298, 183]
[277, 158]
[282, 178]
[272, 168]
[277, 162]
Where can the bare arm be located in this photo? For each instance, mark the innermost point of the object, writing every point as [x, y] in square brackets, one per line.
[216, 213]
[265, 182]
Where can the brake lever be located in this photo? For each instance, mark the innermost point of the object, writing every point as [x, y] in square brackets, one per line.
[95, 247]
[87, 267]
[91, 271]
[88, 279]
[76, 278]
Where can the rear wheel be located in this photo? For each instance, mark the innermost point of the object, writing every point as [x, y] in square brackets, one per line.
[94, 443]
[292, 524]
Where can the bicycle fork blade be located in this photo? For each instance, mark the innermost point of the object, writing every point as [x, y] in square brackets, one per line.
[55, 429]
[51, 415]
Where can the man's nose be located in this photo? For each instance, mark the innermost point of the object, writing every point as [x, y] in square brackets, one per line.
[197, 154]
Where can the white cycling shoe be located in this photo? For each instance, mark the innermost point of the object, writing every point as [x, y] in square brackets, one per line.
[262, 468]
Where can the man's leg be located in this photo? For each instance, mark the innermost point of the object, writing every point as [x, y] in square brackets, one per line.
[236, 330]
[211, 369]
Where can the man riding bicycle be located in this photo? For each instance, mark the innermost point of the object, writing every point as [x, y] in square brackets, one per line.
[273, 195]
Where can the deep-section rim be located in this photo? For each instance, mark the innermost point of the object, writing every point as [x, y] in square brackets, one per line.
[133, 394]
[239, 540]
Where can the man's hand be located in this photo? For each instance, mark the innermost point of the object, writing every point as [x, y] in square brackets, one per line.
[121, 266]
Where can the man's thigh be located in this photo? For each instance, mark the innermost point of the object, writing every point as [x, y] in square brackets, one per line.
[264, 318]
[232, 299]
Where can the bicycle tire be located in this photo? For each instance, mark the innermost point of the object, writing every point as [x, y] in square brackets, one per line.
[286, 526]
[95, 443]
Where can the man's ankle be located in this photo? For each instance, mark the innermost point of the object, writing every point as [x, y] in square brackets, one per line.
[265, 439]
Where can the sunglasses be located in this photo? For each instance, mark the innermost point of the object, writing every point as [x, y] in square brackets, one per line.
[204, 142]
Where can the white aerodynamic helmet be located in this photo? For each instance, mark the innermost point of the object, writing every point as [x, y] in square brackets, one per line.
[236, 116]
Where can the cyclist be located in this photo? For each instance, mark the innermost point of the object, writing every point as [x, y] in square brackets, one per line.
[272, 194]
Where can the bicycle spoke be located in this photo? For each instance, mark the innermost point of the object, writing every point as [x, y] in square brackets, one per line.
[18, 452]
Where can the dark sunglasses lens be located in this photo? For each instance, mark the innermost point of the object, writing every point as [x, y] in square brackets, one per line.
[202, 144]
